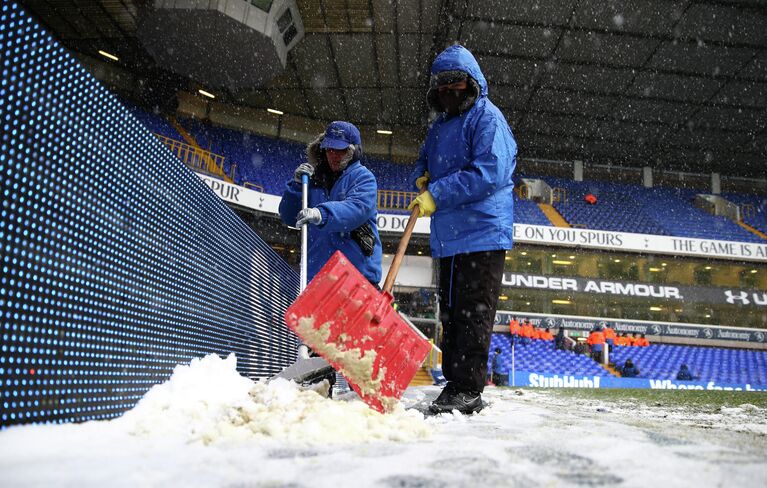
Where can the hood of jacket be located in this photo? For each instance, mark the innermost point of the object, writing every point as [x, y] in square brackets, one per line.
[458, 58]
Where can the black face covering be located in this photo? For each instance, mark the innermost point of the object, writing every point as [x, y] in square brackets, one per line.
[458, 101]
[451, 100]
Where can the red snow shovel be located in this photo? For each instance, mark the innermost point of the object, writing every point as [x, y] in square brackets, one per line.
[347, 321]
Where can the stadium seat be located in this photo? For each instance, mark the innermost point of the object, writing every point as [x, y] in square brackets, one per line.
[737, 366]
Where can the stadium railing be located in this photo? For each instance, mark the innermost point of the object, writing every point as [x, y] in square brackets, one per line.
[394, 199]
[196, 158]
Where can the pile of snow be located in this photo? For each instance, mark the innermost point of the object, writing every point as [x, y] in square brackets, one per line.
[208, 401]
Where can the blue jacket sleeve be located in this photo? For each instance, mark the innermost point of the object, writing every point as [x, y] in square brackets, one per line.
[420, 168]
[290, 204]
[355, 209]
[489, 169]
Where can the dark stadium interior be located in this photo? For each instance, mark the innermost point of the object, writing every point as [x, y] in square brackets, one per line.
[675, 85]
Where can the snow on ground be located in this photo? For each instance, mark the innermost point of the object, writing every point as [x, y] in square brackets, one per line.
[208, 426]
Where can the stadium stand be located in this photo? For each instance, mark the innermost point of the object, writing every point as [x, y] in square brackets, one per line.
[153, 122]
[662, 361]
[616, 210]
[528, 212]
[753, 209]
[633, 208]
[259, 160]
[267, 163]
[390, 176]
[541, 357]
[672, 208]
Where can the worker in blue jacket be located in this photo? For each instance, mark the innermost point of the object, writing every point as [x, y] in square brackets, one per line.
[466, 166]
[342, 207]
[500, 375]
[343, 197]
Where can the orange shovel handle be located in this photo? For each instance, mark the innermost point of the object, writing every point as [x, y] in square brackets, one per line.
[397, 261]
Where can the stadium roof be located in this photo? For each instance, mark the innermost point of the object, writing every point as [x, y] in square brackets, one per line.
[673, 84]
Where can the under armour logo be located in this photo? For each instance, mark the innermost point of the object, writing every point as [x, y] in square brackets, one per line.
[741, 295]
[337, 132]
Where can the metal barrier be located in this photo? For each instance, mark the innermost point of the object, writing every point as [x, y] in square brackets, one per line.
[253, 186]
[194, 157]
[394, 199]
[747, 210]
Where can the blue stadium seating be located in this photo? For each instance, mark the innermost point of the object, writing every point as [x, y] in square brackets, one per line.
[673, 209]
[541, 357]
[154, 122]
[633, 208]
[616, 209]
[528, 212]
[260, 160]
[661, 361]
[622, 207]
[758, 219]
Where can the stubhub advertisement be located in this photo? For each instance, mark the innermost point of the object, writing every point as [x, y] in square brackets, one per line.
[549, 380]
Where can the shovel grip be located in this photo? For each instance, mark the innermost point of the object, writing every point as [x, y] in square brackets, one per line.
[397, 261]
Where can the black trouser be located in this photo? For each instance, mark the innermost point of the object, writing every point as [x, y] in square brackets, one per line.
[468, 296]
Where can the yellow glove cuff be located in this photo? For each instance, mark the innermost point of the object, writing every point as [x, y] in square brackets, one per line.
[422, 181]
[426, 204]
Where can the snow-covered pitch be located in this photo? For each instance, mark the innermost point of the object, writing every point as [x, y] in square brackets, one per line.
[209, 426]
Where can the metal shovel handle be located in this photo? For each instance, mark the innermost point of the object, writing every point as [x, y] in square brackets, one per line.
[304, 231]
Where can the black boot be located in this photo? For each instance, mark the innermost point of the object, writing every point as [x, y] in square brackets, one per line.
[447, 392]
[466, 402]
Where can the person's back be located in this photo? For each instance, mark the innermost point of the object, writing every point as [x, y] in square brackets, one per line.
[684, 374]
[498, 362]
[629, 370]
[528, 330]
[500, 373]
[514, 328]
[559, 339]
[596, 339]
[526, 333]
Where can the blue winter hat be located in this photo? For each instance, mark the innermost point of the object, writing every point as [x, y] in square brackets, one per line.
[340, 135]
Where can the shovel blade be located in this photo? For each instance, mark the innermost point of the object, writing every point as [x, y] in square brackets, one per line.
[351, 324]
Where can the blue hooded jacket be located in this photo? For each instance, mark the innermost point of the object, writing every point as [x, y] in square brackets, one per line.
[350, 203]
[471, 158]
